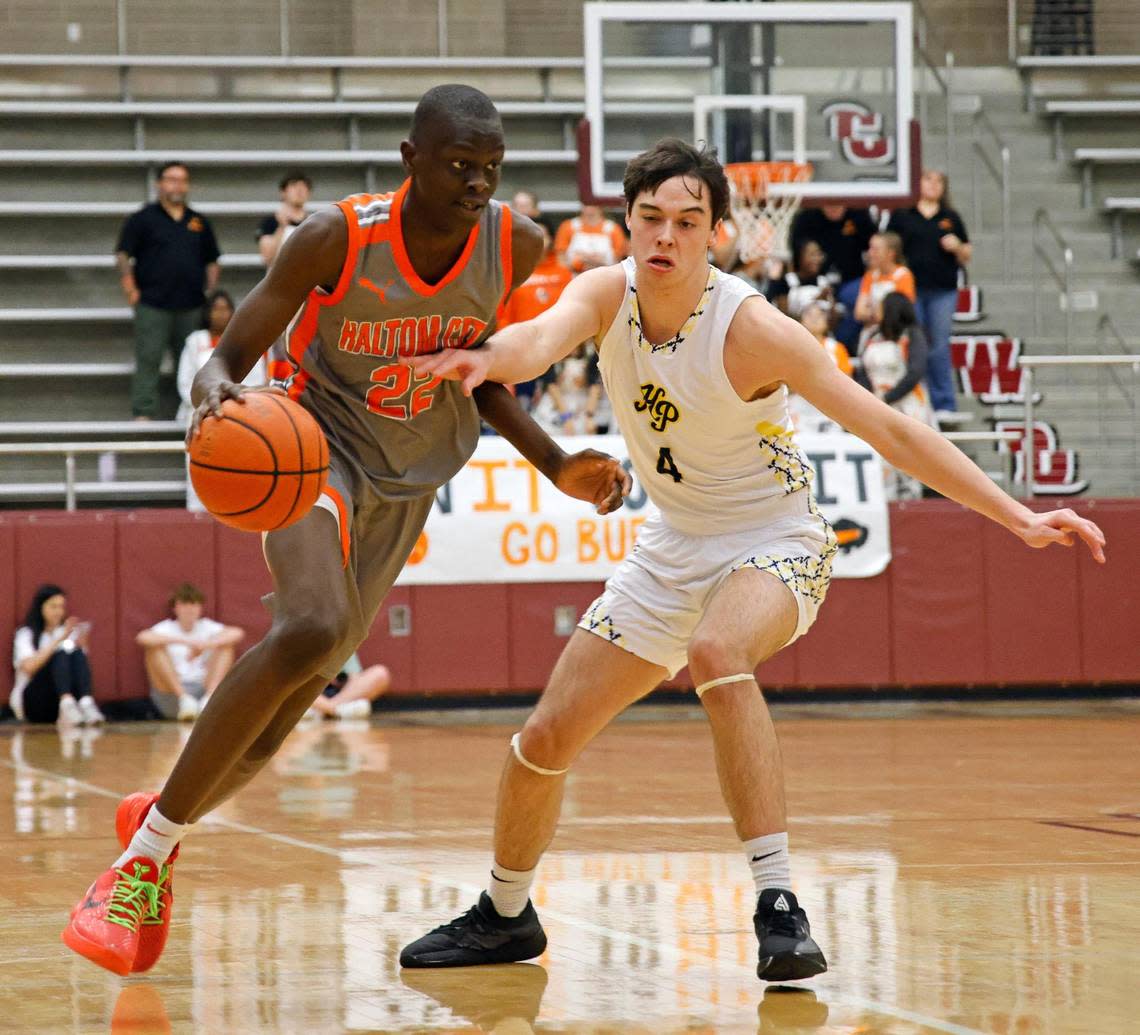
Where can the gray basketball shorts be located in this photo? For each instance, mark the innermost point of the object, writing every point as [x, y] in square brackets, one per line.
[653, 603]
[377, 536]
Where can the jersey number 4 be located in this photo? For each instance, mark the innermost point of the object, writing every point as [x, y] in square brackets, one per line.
[389, 396]
[665, 464]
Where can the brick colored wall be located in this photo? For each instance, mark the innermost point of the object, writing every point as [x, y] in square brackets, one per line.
[963, 604]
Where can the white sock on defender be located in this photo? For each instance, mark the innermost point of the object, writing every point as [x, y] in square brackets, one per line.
[769, 860]
[156, 838]
[509, 889]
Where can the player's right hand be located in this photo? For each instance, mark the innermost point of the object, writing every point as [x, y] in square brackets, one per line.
[211, 405]
[470, 366]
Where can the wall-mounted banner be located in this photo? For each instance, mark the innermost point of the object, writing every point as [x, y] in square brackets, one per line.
[499, 520]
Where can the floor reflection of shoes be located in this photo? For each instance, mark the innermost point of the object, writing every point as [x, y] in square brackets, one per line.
[791, 1011]
[140, 1010]
[485, 996]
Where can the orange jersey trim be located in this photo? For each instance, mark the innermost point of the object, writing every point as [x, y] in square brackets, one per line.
[306, 326]
[506, 254]
[400, 253]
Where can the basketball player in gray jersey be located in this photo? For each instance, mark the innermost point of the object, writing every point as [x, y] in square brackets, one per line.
[359, 285]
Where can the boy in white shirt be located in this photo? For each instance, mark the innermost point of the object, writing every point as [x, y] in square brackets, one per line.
[187, 655]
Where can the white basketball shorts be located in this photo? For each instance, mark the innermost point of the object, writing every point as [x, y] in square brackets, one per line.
[653, 602]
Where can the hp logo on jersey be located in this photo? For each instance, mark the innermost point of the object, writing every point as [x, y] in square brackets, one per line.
[661, 411]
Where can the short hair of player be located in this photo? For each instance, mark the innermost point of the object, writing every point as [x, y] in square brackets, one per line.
[295, 176]
[451, 101]
[673, 157]
[172, 165]
[186, 593]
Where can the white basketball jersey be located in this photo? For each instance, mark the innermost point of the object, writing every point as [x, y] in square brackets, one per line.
[711, 462]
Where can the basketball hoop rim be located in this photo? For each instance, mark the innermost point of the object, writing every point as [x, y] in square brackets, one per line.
[753, 179]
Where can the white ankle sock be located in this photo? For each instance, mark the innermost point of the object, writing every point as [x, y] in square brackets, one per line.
[156, 838]
[509, 889]
[769, 861]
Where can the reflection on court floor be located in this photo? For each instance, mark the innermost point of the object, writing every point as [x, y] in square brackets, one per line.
[938, 858]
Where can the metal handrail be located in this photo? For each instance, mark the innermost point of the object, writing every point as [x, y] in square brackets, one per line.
[1003, 180]
[70, 449]
[1028, 363]
[1063, 280]
[1106, 323]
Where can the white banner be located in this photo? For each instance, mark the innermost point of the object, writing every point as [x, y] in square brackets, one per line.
[499, 520]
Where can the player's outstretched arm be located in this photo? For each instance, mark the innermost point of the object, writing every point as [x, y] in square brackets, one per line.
[765, 347]
[312, 257]
[524, 350]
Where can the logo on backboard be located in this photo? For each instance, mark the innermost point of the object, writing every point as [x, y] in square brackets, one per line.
[859, 132]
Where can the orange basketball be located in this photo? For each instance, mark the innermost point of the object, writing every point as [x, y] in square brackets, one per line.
[262, 464]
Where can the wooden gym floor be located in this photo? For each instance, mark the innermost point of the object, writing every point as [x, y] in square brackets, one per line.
[966, 869]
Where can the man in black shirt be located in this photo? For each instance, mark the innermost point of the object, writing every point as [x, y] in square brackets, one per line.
[844, 234]
[175, 258]
[295, 189]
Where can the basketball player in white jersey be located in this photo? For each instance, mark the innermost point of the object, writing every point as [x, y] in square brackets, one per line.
[697, 366]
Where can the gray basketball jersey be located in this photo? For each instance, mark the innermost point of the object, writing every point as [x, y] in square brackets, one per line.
[403, 434]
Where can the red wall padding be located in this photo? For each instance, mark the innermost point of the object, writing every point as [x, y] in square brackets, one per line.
[963, 603]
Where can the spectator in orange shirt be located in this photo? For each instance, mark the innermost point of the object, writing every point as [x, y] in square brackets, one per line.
[590, 240]
[535, 295]
[885, 274]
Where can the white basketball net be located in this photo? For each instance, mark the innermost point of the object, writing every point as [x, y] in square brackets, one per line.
[763, 220]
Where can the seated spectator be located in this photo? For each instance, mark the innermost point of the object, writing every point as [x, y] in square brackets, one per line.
[533, 296]
[53, 675]
[935, 243]
[351, 694]
[885, 274]
[805, 283]
[805, 416]
[892, 363]
[844, 234]
[525, 203]
[274, 230]
[186, 655]
[590, 240]
[573, 401]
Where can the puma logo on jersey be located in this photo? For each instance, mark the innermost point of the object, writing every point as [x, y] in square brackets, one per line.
[380, 292]
[661, 411]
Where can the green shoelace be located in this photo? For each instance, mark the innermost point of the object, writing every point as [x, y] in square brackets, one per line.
[155, 915]
[133, 899]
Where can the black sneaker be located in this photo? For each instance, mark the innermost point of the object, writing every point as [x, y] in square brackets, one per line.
[787, 950]
[479, 936]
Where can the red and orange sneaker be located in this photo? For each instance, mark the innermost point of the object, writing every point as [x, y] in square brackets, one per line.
[129, 816]
[105, 925]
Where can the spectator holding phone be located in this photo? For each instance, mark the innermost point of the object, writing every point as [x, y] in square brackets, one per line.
[53, 675]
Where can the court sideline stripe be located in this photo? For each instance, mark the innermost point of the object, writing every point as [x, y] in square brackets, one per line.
[663, 948]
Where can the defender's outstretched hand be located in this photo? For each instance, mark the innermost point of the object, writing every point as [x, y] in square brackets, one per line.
[595, 478]
[467, 365]
[1059, 526]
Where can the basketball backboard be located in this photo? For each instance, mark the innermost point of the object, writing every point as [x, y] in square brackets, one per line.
[666, 69]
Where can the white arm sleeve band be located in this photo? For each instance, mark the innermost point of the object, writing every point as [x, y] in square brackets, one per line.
[723, 679]
[530, 765]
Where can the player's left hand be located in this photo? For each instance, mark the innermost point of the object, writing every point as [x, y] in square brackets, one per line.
[596, 478]
[1059, 526]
